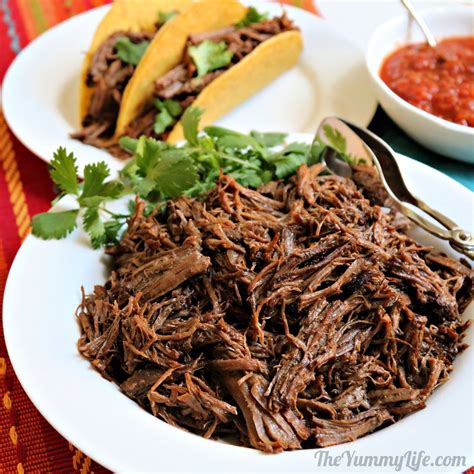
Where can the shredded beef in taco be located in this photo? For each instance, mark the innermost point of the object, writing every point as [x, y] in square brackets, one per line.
[112, 66]
[208, 55]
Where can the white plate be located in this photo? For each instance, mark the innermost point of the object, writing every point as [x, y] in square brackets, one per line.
[40, 90]
[42, 292]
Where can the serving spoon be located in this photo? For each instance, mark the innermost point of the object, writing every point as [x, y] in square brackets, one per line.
[430, 39]
[364, 145]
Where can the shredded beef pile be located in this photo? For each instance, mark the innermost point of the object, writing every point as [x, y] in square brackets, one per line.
[300, 315]
[181, 83]
[108, 75]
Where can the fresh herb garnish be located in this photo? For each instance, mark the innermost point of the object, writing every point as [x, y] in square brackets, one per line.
[287, 161]
[54, 225]
[169, 112]
[91, 196]
[164, 17]
[159, 171]
[190, 123]
[209, 56]
[130, 52]
[337, 141]
[64, 171]
[252, 16]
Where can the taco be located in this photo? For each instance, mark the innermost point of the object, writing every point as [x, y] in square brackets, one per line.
[210, 59]
[120, 41]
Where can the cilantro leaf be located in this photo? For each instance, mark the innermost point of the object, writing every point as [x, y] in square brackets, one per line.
[130, 52]
[286, 165]
[247, 177]
[95, 190]
[64, 171]
[218, 132]
[170, 176]
[173, 107]
[129, 144]
[316, 151]
[160, 170]
[209, 56]
[335, 138]
[173, 176]
[287, 161]
[164, 17]
[147, 153]
[337, 141]
[227, 138]
[236, 141]
[94, 176]
[162, 121]
[169, 111]
[269, 139]
[54, 225]
[190, 123]
[94, 226]
[252, 16]
[112, 230]
[110, 190]
[207, 182]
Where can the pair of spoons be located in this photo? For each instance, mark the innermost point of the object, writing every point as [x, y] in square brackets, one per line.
[367, 146]
[374, 150]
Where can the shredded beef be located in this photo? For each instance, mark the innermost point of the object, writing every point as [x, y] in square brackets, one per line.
[299, 315]
[108, 76]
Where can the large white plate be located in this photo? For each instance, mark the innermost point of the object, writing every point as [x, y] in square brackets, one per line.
[40, 90]
[42, 292]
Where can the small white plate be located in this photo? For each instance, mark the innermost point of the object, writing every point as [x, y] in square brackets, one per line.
[40, 90]
[42, 292]
[448, 138]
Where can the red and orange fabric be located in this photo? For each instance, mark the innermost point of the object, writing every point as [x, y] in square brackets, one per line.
[27, 442]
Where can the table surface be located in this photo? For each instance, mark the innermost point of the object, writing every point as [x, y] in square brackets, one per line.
[27, 441]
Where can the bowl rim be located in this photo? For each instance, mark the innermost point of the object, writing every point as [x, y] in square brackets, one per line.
[374, 69]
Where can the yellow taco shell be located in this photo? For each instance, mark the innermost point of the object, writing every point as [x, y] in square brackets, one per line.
[247, 77]
[168, 47]
[124, 15]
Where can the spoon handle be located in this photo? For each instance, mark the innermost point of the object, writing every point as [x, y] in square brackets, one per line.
[421, 22]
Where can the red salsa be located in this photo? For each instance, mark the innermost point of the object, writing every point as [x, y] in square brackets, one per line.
[438, 80]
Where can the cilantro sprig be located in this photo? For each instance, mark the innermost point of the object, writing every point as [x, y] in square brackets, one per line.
[338, 142]
[159, 171]
[130, 52]
[169, 111]
[91, 196]
[209, 56]
[252, 16]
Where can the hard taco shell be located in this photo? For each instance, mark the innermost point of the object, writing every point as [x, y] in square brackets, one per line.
[167, 49]
[124, 15]
[247, 77]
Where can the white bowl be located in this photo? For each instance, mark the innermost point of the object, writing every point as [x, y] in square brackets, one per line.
[439, 135]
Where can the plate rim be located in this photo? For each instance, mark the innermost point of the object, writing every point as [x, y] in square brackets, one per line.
[59, 424]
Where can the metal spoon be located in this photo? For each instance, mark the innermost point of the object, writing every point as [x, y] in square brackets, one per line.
[420, 21]
[365, 145]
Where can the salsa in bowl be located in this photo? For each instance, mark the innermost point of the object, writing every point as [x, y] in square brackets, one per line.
[438, 80]
[428, 92]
